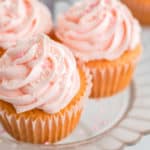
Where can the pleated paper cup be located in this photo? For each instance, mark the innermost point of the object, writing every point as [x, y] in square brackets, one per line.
[111, 77]
[38, 127]
[140, 9]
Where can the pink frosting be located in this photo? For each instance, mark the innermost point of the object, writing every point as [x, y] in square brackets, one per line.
[22, 19]
[38, 73]
[98, 29]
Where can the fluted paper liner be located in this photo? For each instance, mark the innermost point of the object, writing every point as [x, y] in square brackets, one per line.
[140, 9]
[110, 78]
[109, 81]
[37, 126]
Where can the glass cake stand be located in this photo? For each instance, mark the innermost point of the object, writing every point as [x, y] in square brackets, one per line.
[111, 123]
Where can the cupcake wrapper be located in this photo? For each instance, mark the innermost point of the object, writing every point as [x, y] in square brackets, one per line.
[46, 128]
[43, 129]
[89, 81]
[111, 80]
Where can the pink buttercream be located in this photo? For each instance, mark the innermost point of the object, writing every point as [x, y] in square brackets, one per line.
[39, 73]
[98, 29]
[21, 19]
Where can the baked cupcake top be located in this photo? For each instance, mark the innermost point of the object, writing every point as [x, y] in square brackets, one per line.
[38, 73]
[21, 19]
[98, 29]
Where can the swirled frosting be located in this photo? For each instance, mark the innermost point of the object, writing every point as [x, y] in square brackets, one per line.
[38, 73]
[98, 29]
[21, 19]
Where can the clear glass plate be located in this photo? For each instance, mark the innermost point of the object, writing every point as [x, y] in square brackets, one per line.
[111, 123]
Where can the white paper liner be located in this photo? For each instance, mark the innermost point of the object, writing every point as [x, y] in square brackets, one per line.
[110, 80]
[47, 129]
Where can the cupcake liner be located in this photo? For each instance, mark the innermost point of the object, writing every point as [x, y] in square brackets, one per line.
[111, 77]
[140, 9]
[88, 82]
[34, 128]
[111, 80]
[41, 130]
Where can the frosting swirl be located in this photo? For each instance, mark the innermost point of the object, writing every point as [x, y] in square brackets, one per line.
[98, 29]
[22, 19]
[38, 73]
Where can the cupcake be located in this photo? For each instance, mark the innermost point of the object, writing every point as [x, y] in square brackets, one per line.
[42, 91]
[21, 19]
[104, 37]
[140, 9]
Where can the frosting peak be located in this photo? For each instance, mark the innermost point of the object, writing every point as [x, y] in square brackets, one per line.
[22, 19]
[98, 29]
[38, 73]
